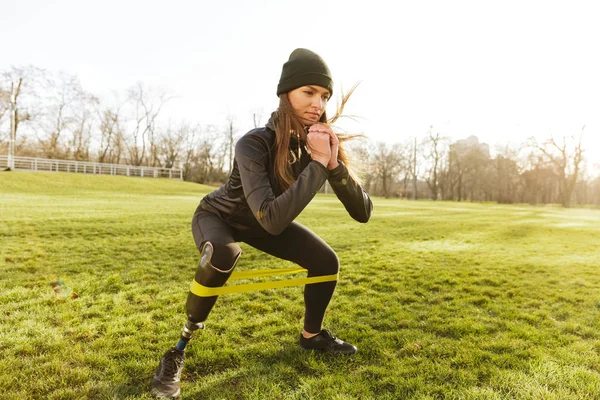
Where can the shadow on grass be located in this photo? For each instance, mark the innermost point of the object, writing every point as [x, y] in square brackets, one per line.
[253, 369]
[226, 373]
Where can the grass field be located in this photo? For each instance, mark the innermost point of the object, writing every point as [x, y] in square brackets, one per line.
[443, 300]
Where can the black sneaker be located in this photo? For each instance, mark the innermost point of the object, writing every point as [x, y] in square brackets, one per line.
[166, 382]
[326, 342]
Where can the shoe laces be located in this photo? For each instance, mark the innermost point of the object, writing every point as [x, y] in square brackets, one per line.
[173, 362]
[331, 339]
[326, 334]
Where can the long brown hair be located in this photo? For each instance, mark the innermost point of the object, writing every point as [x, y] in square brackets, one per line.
[287, 123]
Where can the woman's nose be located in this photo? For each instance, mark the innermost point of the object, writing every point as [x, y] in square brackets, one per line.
[318, 103]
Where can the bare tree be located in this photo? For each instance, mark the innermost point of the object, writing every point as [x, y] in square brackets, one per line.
[468, 161]
[414, 167]
[4, 110]
[4, 102]
[567, 159]
[172, 143]
[448, 178]
[433, 155]
[505, 176]
[84, 121]
[146, 107]
[20, 88]
[403, 179]
[111, 133]
[66, 111]
[385, 165]
[190, 145]
[539, 180]
[208, 161]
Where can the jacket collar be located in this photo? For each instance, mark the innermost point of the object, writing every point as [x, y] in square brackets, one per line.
[271, 125]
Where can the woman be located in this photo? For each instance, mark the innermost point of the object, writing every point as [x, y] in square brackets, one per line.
[277, 171]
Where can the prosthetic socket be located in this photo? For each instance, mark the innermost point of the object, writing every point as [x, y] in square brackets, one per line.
[208, 275]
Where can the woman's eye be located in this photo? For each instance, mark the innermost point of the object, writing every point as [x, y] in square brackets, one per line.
[308, 92]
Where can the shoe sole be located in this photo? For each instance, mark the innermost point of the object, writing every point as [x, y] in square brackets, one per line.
[159, 395]
[329, 351]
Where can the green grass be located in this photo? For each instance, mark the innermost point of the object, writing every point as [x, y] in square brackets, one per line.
[444, 300]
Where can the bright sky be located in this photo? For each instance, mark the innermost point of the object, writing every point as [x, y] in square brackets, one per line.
[502, 70]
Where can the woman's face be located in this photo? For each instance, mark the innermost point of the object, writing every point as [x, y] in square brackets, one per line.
[309, 102]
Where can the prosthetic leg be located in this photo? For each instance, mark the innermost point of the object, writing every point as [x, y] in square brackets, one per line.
[198, 307]
[166, 382]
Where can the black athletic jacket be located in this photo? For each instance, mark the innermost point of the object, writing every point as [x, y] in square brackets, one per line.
[253, 199]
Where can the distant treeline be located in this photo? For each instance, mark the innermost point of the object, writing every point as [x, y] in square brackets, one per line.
[54, 117]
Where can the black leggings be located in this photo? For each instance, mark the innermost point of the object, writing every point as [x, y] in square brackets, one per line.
[296, 243]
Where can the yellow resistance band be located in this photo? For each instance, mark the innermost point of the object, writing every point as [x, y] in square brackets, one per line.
[204, 291]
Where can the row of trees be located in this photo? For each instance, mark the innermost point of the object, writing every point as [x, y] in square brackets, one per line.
[433, 167]
[54, 117]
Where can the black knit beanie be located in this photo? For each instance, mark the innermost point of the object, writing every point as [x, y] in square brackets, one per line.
[304, 68]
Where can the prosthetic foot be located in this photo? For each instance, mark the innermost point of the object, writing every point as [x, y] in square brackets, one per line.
[166, 383]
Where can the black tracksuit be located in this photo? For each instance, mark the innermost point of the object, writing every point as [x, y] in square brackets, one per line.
[252, 207]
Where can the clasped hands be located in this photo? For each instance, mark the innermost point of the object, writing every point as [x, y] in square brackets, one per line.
[323, 145]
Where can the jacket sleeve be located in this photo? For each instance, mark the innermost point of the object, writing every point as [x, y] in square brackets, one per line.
[274, 214]
[356, 201]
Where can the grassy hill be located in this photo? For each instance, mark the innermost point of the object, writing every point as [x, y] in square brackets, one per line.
[443, 300]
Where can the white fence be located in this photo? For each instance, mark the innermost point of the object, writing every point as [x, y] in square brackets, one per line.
[84, 167]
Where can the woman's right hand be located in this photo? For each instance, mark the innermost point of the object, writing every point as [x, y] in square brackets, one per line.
[319, 145]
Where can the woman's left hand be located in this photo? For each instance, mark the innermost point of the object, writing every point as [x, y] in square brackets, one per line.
[333, 141]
